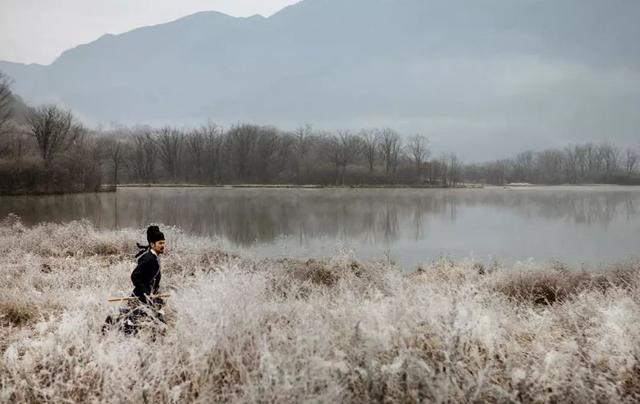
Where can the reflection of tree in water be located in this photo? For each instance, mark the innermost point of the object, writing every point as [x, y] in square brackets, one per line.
[579, 207]
[98, 208]
[249, 216]
[630, 208]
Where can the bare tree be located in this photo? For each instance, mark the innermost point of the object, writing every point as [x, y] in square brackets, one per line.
[15, 143]
[418, 150]
[550, 163]
[370, 142]
[441, 166]
[264, 153]
[83, 160]
[114, 150]
[196, 143]
[610, 156]
[630, 161]
[302, 149]
[350, 150]
[144, 156]
[593, 159]
[454, 170]
[240, 141]
[581, 161]
[54, 130]
[213, 148]
[286, 160]
[496, 172]
[391, 146]
[571, 164]
[5, 102]
[343, 150]
[170, 142]
[523, 167]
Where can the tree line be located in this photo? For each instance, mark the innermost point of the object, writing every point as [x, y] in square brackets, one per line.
[48, 150]
[44, 149]
[250, 154]
[586, 163]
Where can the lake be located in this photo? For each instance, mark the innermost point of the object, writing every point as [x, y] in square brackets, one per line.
[572, 224]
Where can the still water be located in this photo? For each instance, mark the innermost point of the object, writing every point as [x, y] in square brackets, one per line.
[572, 224]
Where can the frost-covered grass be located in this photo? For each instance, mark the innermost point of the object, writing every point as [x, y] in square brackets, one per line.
[291, 331]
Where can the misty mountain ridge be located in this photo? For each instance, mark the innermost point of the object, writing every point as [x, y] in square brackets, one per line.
[470, 75]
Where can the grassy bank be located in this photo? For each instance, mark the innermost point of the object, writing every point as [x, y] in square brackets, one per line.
[291, 331]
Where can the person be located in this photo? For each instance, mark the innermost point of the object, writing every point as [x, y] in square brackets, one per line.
[146, 283]
[147, 275]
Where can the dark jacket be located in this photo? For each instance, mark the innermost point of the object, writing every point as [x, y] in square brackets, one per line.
[146, 276]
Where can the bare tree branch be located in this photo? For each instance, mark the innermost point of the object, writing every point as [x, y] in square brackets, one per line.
[419, 150]
[54, 130]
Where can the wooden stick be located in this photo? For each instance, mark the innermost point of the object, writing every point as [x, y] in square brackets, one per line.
[125, 299]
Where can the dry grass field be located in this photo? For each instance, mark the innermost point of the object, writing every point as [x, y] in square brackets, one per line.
[339, 330]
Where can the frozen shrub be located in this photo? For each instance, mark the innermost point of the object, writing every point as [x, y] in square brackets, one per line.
[557, 283]
[543, 288]
[16, 313]
[104, 248]
[12, 222]
[318, 273]
[330, 330]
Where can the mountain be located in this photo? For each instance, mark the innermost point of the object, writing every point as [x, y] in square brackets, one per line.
[470, 74]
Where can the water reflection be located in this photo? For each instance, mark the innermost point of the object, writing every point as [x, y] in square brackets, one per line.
[250, 217]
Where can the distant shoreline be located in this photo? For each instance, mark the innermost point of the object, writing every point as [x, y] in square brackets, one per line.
[109, 188]
[101, 190]
[293, 186]
[365, 186]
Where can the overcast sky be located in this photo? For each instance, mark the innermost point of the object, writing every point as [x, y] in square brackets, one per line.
[38, 31]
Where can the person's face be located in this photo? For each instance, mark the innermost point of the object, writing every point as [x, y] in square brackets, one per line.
[158, 246]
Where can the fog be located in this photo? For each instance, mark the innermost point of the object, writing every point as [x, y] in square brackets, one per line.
[485, 79]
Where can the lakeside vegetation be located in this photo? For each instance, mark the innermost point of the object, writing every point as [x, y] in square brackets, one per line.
[46, 150]
[329, 330]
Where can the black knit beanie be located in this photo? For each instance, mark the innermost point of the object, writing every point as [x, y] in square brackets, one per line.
[157, 236]
[150, 231]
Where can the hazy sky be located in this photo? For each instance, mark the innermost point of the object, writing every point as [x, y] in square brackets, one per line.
[38, 31]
